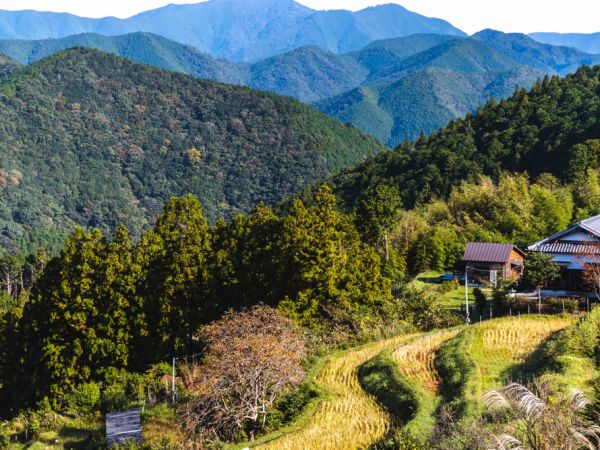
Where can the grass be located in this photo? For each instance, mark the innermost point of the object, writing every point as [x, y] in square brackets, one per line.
[454, 299]
[488, 355]
[415, 361]
[570, 359]
[69, 433]
[348, 418]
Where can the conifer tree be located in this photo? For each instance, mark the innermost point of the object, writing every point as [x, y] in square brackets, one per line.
[173, 260]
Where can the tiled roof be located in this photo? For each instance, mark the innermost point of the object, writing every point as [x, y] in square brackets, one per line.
[591, 226]
[562, 247]
[488, 252]
[569, 247]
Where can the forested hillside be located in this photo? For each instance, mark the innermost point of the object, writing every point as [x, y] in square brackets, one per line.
[145, 48]
[392, 89]
[406, 94]
[554, 128]
[91, 139]
[7, 66]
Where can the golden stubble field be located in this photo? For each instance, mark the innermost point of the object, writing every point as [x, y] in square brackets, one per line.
[349, 419]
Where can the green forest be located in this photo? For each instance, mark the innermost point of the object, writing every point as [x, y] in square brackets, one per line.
[91, 139]
[553, 128]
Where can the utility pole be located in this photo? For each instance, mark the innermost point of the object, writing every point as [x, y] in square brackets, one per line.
[173, 381]
[468, 319]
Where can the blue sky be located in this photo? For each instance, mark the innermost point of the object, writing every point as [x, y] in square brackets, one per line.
[582, 16]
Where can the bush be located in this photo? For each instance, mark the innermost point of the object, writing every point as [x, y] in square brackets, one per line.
[449, 286]
[500, 301]
[480, 300]
[399, 441]
[290, 407]
[120, 390]
[423, 310]
[4, 438]
[85, 398]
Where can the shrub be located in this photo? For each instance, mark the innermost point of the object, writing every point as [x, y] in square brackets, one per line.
[85, 398]
[290, 407]
[480, 300]
[449, 286]
[120, 390]
[4, 438]
[423, 309]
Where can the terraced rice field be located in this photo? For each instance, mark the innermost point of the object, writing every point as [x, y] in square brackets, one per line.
[416, 359]
[500, 345]
[349, 419]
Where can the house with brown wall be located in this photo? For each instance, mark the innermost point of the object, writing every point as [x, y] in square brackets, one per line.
[487, 261]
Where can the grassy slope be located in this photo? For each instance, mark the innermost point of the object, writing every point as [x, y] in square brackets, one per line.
[487, 355]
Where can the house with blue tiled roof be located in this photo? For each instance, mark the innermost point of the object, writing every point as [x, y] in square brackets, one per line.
[568, 249]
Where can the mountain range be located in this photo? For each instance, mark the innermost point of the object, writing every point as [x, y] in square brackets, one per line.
[393, 89]
[92, 139]
[420, 93]
[239, 30]
[589, 43]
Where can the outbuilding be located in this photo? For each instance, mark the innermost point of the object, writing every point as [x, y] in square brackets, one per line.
[493, 262]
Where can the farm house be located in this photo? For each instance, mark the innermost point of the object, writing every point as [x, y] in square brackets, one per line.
[568, 249]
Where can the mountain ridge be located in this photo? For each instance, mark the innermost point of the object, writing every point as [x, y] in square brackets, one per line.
[238, 30]
[585, 42]
[355, 87]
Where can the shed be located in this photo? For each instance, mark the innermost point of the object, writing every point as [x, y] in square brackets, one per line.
[504, 261]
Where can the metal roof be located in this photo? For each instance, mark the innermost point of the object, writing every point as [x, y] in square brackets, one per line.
[489, 252]
[122, 427]
[591, 225]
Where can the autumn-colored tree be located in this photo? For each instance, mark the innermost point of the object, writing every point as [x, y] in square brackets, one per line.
[253, 357]
[589, 259]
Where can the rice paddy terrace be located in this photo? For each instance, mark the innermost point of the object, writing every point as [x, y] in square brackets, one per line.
[353, 415]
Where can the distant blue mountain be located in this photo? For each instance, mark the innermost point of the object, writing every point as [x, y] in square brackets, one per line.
[239, 30]
[589, 43]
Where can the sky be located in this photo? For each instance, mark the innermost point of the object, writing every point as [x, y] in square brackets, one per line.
[578, 16]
